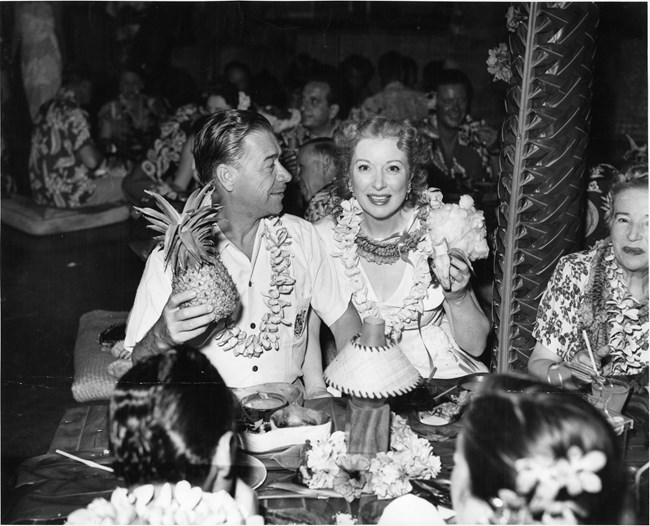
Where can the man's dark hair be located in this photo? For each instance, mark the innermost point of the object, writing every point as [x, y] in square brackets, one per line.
[220, 138]
[339, 90]
[455, 76]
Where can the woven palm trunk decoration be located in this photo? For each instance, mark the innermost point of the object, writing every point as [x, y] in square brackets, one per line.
[542, 160]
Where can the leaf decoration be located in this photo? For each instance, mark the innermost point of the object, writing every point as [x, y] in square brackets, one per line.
[542, 161]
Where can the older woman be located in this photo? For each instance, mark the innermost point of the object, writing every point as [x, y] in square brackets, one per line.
[374, 237]
[600, 295]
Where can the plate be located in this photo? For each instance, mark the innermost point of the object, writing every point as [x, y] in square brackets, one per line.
[250, 469]
[432, 420]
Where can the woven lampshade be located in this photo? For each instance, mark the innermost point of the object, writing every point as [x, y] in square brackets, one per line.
[371, 367]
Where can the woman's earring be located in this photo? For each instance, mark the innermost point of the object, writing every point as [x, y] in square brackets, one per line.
[350, 187]
[408, 191]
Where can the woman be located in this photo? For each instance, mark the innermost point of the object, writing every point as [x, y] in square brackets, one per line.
[168, 166]
[375, 238]
[127, 124]
[600, 296]
[535, 457]
[172, 421]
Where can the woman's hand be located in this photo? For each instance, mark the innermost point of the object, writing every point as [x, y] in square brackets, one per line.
[459, 276]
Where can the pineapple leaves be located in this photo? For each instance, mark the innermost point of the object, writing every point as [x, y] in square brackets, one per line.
[544, 138]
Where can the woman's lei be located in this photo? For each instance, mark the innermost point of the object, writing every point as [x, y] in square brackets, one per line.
[346, 230]
[178, 504]
[327, 464]
[242, 344]
[616, 324]
[541, 479]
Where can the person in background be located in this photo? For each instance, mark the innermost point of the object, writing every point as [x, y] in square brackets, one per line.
[172, 423]
[358, 71]
[237, 152]
[374, 238]
[65, 164]
[316, 174]
[463, 151]
[239, 75]
[167, 167]
[397, 100]
[600, 296]
[527, 456]
[127, 124]
[324, 105]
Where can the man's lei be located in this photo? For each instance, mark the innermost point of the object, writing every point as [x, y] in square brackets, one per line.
[539, 482]
[327, 464]
[277, 240]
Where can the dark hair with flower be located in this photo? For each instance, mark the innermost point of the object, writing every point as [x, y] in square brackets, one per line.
[409, 140]
[167, 415]
[535, 455]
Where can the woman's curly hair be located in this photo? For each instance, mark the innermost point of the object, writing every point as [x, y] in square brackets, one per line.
[167, 415]
[409, 141]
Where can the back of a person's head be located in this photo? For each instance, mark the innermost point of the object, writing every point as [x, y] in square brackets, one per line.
[324, 146]
[447, 77]
[223, 88]
[167, 415]
[220, 139]
[524, 439]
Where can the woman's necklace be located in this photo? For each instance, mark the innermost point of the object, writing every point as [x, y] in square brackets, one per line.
[277, 238]
[616, 324]
[346, 233]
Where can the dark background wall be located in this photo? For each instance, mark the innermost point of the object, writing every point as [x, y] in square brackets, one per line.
[201, 37]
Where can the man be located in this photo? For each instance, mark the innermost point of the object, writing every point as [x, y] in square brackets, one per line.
[64, 163]
[237, 152]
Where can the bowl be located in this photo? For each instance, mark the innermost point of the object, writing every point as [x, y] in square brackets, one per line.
[291, 393]
[260, 406]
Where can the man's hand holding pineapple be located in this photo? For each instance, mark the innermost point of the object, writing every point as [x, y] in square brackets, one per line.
[235, 279]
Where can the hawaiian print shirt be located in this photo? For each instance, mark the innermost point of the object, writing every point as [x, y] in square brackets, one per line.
[322, 203]
[559, 319]
[56, 176]
[162, 158]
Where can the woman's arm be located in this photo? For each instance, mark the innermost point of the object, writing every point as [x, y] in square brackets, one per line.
[185, 170]
[469, 324]
[312, 368]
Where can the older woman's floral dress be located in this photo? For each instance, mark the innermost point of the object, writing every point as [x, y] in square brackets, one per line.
[56, 176]
[564, 313]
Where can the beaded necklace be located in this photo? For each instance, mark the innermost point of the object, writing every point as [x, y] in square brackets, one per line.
[346, 232]
[277, 239]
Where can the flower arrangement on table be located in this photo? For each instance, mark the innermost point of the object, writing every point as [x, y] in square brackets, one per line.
[327, 464]
[174, 504]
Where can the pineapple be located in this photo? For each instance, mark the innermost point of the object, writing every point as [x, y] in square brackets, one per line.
[188, 248]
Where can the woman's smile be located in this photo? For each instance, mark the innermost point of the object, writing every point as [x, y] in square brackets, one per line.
[379, 200]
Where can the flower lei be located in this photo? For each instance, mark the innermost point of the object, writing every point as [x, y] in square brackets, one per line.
[540, 480]
[277, 239]
[346, 230]
[616, 324]
[327, 464]
[181, 504]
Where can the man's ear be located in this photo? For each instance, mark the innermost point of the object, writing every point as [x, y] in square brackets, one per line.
[225, 176]
[334, 111]
[221, 470]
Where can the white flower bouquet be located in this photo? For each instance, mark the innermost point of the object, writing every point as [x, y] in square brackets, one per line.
[327, 464]
[178, 504]
[455, 229]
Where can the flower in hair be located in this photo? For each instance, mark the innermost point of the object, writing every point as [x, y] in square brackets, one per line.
[541, 478]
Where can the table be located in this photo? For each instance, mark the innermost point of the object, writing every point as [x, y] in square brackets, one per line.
[50, 486]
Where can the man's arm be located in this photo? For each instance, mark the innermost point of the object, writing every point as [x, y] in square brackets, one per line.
[175, 326]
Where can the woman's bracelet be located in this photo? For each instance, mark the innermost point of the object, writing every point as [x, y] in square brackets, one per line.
[555, 365]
